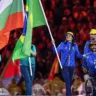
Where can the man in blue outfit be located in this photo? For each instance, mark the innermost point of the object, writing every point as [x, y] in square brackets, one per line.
[92, 37]
[90, 62]
[68, 50]
[27, 66]
[86, 48]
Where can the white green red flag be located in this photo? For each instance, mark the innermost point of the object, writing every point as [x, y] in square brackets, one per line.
[11, 17]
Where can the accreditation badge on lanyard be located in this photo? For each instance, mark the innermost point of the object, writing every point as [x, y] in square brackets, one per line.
[95, 63]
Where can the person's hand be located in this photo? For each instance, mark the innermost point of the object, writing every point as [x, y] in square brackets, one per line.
[53, 41]
[33, 53]
[86, 77]
[85, 70]
[84, 55]
[62, 69]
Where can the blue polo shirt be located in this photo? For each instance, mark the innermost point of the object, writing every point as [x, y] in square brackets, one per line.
[25, 61]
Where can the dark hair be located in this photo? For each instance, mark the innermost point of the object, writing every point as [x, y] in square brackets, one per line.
[92, 43]
[65, 41]
[91, 47]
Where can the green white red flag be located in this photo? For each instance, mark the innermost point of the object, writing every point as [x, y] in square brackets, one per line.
[11, 17]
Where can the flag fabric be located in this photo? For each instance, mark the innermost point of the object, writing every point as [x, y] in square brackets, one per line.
[38, 17]
[11, 17]
[11, 69]
[35, 18]
[54, 69]
[19, 50]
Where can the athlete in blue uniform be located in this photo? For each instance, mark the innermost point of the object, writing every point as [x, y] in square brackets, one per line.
[90, 60]
[92, 37]
[68, 50]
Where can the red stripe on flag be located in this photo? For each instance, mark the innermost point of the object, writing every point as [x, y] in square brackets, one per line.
[14, 21]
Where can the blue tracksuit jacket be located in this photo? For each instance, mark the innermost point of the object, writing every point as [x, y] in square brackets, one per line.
[86, 48]
[64, 49]
[90, 62]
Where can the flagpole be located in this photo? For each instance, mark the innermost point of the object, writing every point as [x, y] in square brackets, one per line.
[50, 34]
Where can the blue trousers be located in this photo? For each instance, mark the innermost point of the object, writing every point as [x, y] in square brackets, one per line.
[25, 71]
[67, 74]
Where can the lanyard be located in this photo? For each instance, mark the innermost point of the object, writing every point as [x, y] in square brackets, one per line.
[30, 66]
[93, 59]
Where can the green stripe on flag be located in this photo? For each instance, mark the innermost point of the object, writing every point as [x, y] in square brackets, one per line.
[15, 6]
[38, 16]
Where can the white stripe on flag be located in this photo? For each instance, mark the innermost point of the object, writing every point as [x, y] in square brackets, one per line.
[4, 4]
[23, 9]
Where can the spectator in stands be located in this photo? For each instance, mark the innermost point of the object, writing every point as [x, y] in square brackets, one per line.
[13, 88]
[3, 91]
[57, 85]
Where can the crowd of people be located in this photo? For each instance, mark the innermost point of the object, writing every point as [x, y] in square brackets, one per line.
[43, 87]
[77, 16]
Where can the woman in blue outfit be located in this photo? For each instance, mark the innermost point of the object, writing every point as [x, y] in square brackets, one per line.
[26, 69]
[68, 49]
